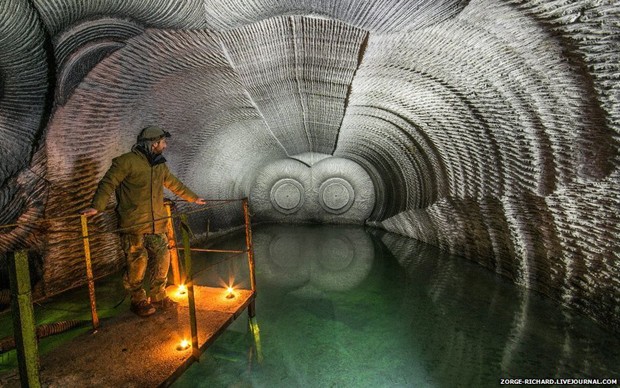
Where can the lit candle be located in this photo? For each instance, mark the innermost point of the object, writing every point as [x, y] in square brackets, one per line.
[230, 293]
[182, 290]
[184, 344]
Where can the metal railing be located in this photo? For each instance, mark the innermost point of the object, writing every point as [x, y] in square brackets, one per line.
[23, 315]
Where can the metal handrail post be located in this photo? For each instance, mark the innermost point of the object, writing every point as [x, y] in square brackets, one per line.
[24, 326]
[189, 281]
[89, 273]
[250, 250]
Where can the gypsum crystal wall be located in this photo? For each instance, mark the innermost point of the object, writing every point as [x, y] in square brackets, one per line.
[82, 34]
[374, 15]
[23, 85]
[24, 101]
[196, 85]
[301, 92]
[174, 75]
[489, 129]
[555, 216]
[61, 15]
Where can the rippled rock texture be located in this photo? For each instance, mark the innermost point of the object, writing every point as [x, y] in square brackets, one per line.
[487, 128]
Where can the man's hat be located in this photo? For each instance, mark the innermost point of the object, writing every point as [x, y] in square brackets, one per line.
[152, 133]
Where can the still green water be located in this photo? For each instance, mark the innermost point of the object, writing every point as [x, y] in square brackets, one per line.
[341, 306]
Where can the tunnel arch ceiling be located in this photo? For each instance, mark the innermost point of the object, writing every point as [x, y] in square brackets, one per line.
[487, 128]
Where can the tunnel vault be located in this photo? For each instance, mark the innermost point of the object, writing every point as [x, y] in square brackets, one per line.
[487, 128]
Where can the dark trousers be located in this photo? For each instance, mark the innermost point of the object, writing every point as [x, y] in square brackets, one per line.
[139, 248]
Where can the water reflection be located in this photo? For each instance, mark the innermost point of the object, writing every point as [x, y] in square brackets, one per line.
[335, 258]
[476, 327]
[338, 306]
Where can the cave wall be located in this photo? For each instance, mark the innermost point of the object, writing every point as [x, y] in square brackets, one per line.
[489, 129]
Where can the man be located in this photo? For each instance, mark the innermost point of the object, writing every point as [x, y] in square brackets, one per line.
[138, 178]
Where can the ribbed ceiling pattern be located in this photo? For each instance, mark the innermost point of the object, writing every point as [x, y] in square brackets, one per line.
[59, 15]
[23, 85]
[300, 84]
[489, 129]
[373, 15]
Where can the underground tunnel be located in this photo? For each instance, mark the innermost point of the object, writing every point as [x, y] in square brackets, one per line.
[486, 129]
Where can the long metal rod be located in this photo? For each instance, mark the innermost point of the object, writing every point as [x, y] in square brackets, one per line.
[250, 250]
[89, 274]
[213, 250]
[187, 253]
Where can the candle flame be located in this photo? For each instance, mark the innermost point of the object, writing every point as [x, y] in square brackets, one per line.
[184, 344]
[230, 293]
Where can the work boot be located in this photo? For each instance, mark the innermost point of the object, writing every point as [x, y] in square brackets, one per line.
[166, 303]
[143, 308]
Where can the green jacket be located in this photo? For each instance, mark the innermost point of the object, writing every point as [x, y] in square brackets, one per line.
[139, 185]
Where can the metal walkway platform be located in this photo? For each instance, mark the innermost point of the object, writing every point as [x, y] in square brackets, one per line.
[129, 351]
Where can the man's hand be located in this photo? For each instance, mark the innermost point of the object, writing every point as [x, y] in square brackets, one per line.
[89, 211]
[200, 201]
